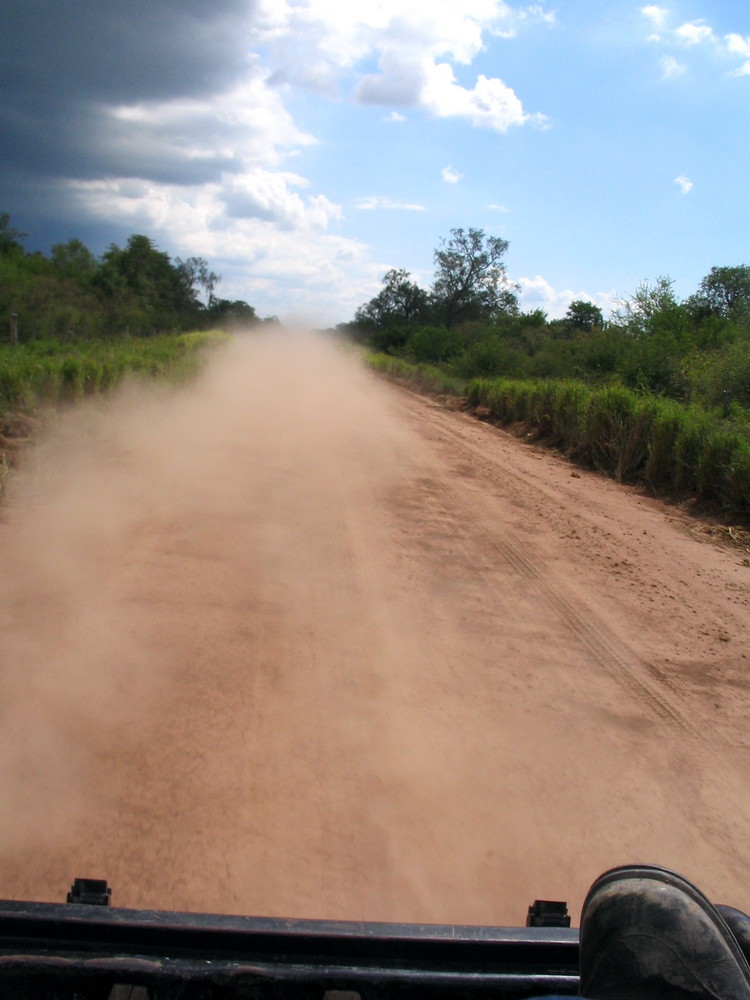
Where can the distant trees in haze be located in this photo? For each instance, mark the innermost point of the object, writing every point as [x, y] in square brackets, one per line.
[392, 313]
[136, 289]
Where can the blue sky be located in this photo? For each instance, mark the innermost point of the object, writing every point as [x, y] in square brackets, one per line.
[304, 147]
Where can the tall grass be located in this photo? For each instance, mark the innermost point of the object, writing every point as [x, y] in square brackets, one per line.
[424, 377]
[677, 449]
[42, 372]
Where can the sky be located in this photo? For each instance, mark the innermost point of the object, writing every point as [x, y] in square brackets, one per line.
[305, 147]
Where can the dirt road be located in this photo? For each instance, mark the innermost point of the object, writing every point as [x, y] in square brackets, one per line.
[296, 642]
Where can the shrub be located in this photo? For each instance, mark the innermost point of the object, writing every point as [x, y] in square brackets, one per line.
[572, 400]
[660, 468]
[681, 449]
[49, 371]
[423, 376]
[491, 357]
[737, 495]
[613, 432]
[714, 465]
[433, 344]
[692, 435]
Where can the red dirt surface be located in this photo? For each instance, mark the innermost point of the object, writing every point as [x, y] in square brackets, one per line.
[296, 642]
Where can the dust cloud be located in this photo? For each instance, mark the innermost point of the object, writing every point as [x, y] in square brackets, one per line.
[134, 518]
[290, 642]
[76, 672]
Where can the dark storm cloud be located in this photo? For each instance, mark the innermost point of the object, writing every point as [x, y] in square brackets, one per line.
[68, 51]
[64, 64]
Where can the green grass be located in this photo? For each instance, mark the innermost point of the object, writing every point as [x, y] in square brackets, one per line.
[676, 449]
[424, 377]
[684, 451]
[47, 372]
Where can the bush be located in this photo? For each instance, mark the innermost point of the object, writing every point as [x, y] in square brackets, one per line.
[681, 449]
[690, 442]
[424, 377]
[572, 400]
[737, 495]
[715, 465]
[491, 357]
[723, 377]
[433, 344]
[612, 435]
[661, 463]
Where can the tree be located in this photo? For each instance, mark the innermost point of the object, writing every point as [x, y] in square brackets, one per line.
[72, 259]
[493, 357]
[470, 280]
[394, 311]
[196, 275]
[398, 303]
[435, 344]
[159, 288]
[583, 315]
[148, 271]
[657, 329]
[724, 292]
[10, 237]
[652, 309]
[237, 311]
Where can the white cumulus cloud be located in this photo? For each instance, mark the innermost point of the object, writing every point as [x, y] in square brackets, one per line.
[322, 44]
[538, 293]
[657, 15]
[275, 239]
[246, 124]
[737, 45]
[450, 175]
[683, 183]
[268, 195]
[670, 67]
[375, 201]
[694, 32]
[489, 103]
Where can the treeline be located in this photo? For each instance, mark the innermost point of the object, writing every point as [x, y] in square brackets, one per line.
[470, 324]
[136, 289]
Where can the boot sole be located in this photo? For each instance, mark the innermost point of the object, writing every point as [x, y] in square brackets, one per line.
[675, 881]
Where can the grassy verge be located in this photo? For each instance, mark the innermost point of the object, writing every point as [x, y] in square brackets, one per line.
[677, 450]
[48, 373]
[43, 372]
[422, 377]
[682, 451]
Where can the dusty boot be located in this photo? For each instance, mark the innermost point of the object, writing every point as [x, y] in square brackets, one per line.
[739, 925]
[649, 934]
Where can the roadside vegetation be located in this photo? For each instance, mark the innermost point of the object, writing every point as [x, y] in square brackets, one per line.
[135, 290]
[49, 372]
[658, 392]
[75, 325]
[40, 375]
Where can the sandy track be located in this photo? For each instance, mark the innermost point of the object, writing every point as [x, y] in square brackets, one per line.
[296, 642]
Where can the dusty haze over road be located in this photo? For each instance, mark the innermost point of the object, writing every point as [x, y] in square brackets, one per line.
[294, 642]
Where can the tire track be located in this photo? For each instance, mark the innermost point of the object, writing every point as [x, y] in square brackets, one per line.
[613, 655]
